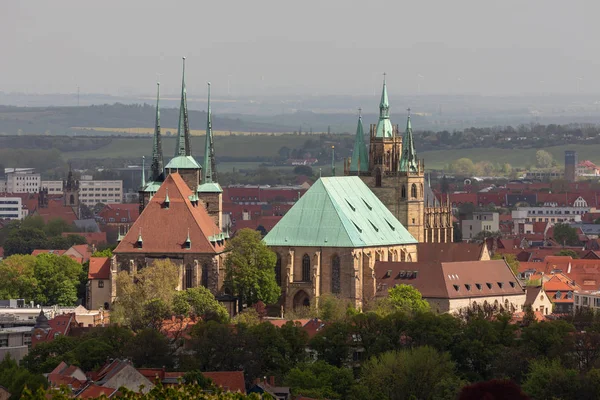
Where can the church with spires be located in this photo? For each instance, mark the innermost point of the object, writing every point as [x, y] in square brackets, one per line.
[180, 211]
[390, 168]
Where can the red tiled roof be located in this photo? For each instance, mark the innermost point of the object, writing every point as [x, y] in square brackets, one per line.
[441, 280]
[99, 268]
[82, 251]
[230, 381]
[165, 229]
[449, 252]
[95, 238]
[56, 209]
[118, 212]
[462, 198]
[94, 391]
[37, 252]
[59, 325]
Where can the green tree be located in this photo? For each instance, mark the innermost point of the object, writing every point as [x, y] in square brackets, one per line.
[407, 298]
[75, 239]
[103, 253]
[150, 349]
[463, 166]
[568, 253]
[250, 268]
[510, 259]
[319, 380]
[24, 241]
[333, 308]
[548, 379]
[543, 159]
[333, 344]
[18, 278]
[56, 226]
[565, 234]
[15, 378]
[199, 301]
[156, 281]
[58, 278]
[44, 357]
[418, 373]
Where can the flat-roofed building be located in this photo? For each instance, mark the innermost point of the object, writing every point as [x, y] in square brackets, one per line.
[20, 180]
[12, 208]
[53, 187]
[92, 192]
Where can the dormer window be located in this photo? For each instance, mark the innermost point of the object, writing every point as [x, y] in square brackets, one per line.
[188, 242]
[489, 285]
[468, 287]
[500, 284]
[456, 287]
[478, 286]
[558, 295]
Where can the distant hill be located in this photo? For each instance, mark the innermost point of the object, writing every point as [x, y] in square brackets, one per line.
[60, 120]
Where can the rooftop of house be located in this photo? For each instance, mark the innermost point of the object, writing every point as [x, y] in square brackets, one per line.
[339, 212]
[450, 252]
[99, 268]
[449, 280]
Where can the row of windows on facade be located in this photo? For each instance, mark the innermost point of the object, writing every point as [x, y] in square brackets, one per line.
[479, 286]
[306, 272]
[28, 178]
[103, 195]
[556, 212]
[550, 219]
[100, 189]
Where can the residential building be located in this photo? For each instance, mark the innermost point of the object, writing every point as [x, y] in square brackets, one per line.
[330, 240]
[20, 180]
[480, 222]
[548, 214]
[12, 208]
[99, 285]
[538, 300]
[229, 381]
[92, 192]
[586, 299]
[390, 168]
[452, 286]
[15, 341]
[115, 374]
[53, 187]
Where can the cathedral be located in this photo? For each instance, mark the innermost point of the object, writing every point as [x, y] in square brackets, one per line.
[180, 211]
[391, 169]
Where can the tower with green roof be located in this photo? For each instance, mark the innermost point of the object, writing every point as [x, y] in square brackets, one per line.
[209, 191]
[411, 179]
[359, 162]
[384, 141]
[183, 162]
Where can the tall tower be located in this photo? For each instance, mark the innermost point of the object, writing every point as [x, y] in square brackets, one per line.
[209, 191]
[71, 190]
[411, 204]
[359, 163]
[183, 162]
[157, 167]
[385, 144]
[571, 165]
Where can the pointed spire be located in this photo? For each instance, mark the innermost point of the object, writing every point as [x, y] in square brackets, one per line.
[157, 166]
[360, 155]
[143, 182]
[183, 129]
[332, 160]
[408, 160]
[384, 125]
[208, 167]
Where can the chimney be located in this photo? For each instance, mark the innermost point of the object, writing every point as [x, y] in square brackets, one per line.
[272, 380]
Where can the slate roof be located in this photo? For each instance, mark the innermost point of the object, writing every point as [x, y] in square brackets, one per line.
[165, 229]
[339, 212]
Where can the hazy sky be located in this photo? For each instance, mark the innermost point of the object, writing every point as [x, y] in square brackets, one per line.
[304, 47]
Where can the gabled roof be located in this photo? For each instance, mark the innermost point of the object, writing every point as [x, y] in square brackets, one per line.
[339, 212]
[183, 162]
[94, 391]
[99, 268]
[165, 229]
[449, 280]
[450, 252]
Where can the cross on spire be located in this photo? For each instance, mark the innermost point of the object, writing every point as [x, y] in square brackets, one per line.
[359, 112]
[408, 109]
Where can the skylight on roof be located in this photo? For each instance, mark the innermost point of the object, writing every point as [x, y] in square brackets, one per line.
[374, 227]
[367, 204]
[350, 204]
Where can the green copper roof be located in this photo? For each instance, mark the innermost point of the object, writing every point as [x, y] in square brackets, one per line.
[360, 155]
[183, 162]
[384, 125]
[210, 187]
[183, 127]
[339, 212]
[207, 167]
[408, 160]
[157, 166]
[152, 187]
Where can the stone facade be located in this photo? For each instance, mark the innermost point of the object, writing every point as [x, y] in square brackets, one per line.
[345, 272]
[99, 294]
[213, 202]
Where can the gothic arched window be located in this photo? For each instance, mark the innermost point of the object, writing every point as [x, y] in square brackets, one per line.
[378, 177]
[335, 274]
[403, 192]
[205, 275]
[278, 269]
[72, 200]
[413, 191]
[306, 268]
[188, 276]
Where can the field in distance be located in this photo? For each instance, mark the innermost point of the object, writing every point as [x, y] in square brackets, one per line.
[173, 131]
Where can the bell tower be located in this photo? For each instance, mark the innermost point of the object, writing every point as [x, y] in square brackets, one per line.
[71, 190]
[411, 176]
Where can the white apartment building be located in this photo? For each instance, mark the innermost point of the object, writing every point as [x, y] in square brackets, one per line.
[481, 221]
[106, 192]
[20, 180]
[586, 299]
[54, 187]
[12, 208]
[551, 214]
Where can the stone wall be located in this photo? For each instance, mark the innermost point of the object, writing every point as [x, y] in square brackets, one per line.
[454, 305]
